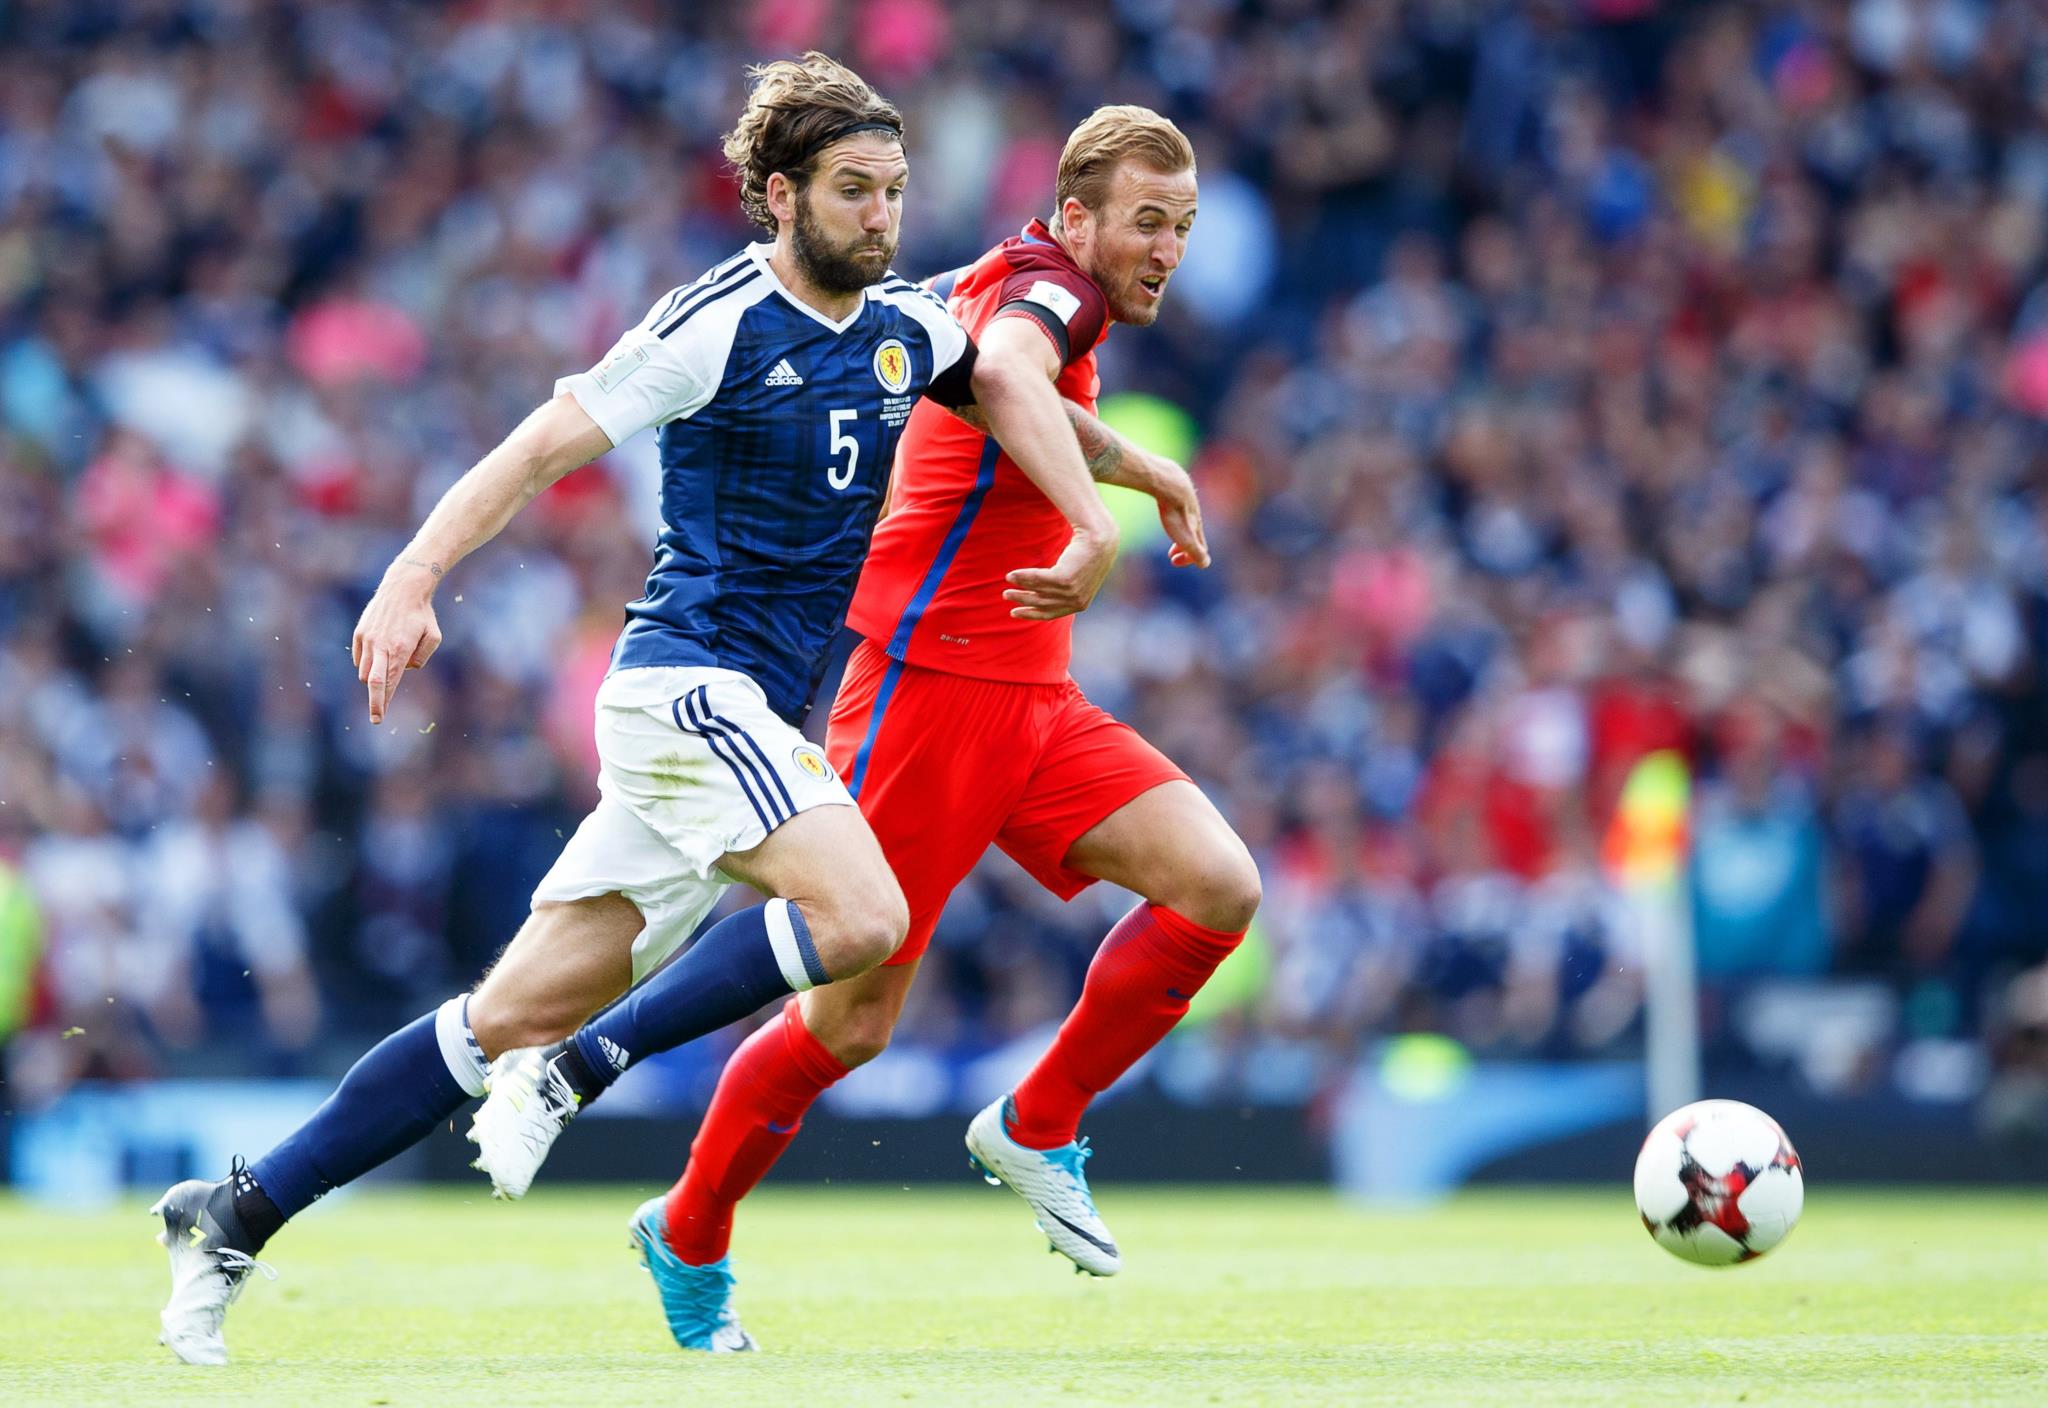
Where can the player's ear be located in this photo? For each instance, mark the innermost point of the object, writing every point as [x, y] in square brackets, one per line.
[781, 194]
[1077, 221]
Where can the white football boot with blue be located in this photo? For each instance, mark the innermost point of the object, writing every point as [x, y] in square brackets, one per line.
[1052, 1182]
[527, 1103]
[696, 1299]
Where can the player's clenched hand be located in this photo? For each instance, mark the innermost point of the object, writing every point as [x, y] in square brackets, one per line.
[397, 632]
[1048, 593]
[1180, 513]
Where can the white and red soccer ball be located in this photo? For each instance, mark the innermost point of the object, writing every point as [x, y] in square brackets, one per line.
[1718, 1183]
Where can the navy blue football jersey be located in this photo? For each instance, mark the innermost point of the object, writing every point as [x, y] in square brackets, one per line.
[778, 428]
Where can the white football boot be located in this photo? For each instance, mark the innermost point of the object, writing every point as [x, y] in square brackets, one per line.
[1052, 1182]
[527, 1103]
[210, 1266]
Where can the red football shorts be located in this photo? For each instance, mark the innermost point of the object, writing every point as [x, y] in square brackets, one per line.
[944, 765]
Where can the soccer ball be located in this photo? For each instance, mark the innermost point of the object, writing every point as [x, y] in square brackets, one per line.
[1718, 1183]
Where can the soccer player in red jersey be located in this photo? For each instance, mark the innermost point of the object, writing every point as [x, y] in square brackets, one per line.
[957, 724]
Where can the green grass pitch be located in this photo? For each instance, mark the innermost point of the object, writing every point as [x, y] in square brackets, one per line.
[947, 1295]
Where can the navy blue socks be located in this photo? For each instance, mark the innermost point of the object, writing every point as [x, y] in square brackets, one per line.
[419, 1076]
[737, 966]
[404, 1086]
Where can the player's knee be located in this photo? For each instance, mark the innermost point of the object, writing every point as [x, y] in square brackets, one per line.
[858, 1037]
[1242, 892]
[1227, 894]
[856, 945]
[857, 932]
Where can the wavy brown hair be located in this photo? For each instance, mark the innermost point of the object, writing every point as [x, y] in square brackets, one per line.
[795, 109]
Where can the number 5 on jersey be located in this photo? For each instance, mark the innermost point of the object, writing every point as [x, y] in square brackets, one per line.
[838, 475]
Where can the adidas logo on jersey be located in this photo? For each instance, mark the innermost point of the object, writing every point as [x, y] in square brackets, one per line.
[784, 375]
[613, 1052]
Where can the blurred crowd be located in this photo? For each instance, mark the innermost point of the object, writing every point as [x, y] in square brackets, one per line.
[1575, 380]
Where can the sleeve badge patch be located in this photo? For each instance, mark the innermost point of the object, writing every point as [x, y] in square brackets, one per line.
[628, 355]
[1060, 302]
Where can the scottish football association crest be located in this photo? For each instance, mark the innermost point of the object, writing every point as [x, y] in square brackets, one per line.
[892, 366]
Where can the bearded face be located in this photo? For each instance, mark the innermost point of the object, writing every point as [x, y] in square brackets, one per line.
[838, 261]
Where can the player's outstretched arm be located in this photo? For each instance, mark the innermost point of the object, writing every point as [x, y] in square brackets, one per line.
[397, 630]
[1013, 384]
[1115, 460]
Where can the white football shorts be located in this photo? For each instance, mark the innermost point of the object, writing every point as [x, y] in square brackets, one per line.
[692, 763]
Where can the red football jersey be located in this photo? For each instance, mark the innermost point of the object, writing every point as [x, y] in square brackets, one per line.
[961, 514]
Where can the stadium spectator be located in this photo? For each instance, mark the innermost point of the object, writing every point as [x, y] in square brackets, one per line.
[221, 897]
[1908, 858]
[1758, 887]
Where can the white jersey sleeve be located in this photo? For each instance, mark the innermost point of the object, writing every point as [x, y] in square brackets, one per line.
[667, 368]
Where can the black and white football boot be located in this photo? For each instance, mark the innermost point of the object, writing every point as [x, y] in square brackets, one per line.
[212, 1255]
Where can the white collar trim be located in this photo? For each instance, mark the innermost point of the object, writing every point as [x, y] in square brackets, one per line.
[763, 250]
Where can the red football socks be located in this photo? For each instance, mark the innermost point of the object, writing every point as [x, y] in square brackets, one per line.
[772, 1078]
[1138, 986]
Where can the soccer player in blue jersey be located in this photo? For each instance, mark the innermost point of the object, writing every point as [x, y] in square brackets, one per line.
[781, 381]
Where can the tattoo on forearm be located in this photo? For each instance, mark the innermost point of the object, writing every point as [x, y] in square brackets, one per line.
[433, 567]
[1100, 448]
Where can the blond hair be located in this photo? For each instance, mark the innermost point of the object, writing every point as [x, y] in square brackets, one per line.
[1109, 137]
[795, 109]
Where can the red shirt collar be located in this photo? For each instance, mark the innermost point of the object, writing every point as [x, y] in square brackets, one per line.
[1038, 232]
